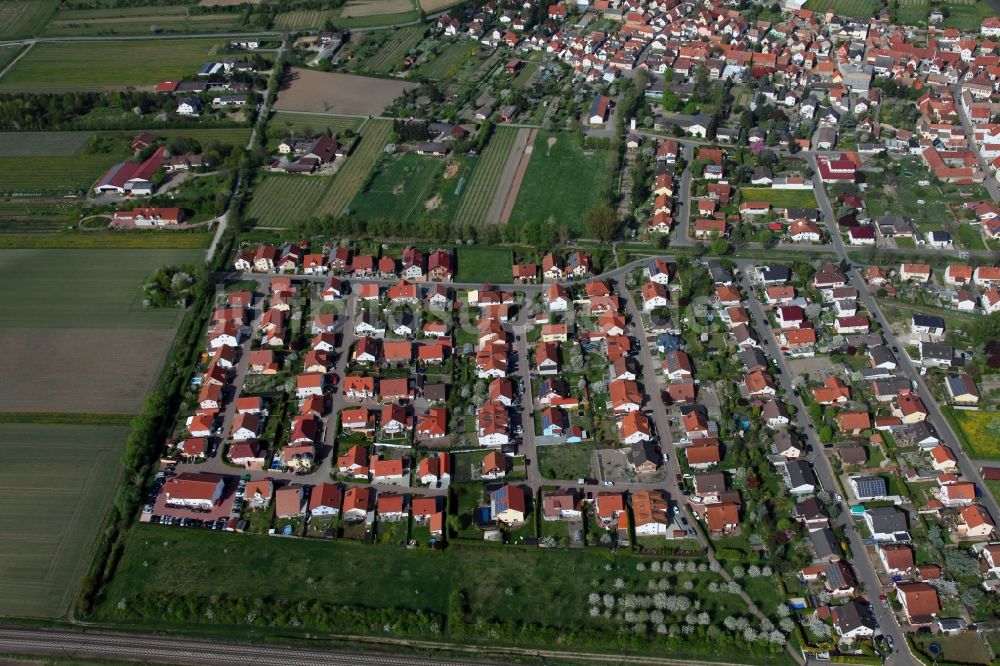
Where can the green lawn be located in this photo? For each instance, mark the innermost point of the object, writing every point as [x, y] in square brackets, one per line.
[561, 183]
[566, 461]
[965, 649]
[484, 264]
[779, 198]
[52, 503]
[67, 66]
[401, 190]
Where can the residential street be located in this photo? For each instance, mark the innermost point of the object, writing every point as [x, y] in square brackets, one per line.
[860, 561]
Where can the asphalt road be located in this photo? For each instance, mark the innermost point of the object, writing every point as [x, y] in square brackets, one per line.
[861, 562]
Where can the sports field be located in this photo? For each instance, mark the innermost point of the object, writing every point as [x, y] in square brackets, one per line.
[280, 200]
[68, 66]
[401, 189]
[853, 8]
[779, 198]
[137, 21]
[81, 340]
[55, 487]
[482, 184]
[24, 18]
[561, 183]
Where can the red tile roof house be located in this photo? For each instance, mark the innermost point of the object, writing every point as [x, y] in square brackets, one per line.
[357, 503]
[325, 500]
[194, 490]
[391, 507]
[919, 601]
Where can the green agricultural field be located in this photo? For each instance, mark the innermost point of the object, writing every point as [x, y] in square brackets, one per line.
[390, 55]
[314, 19]
[401, 189]
[137, 21]
[913, 12]
[8, 53]
[481, 186]
[68, 66]
[106, 287]
[352, 174]
[562, 182]
[37, 232]
[52, 503]
[525, 75]
[24, 18]
[447, 63]
[967, 15]
[460, 585]
[48, 144]
[280, 200]
[84, 343]
[283, 123]
[779, 198]
[852, 8]
[58, 176]
[484, 264]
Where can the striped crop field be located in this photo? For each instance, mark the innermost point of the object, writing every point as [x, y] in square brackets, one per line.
[24, 18]
[283, 123]
[482, 184]
[387, 58]
[280, 200]
[850, 8]
[352, 174]
[303, 19]
[137, 21]
[59, 176]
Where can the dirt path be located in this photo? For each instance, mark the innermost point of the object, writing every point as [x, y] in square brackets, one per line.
[510, 179]
[13, 62]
